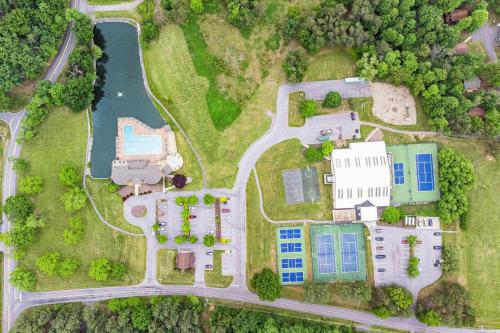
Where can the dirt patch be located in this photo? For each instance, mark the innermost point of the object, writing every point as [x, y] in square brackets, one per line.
[393, 105]
[139, 211]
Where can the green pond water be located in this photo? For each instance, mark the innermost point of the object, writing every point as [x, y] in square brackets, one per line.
[120, 92]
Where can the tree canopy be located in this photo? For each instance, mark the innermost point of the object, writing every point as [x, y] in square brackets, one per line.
[267, 284]
[391, 214]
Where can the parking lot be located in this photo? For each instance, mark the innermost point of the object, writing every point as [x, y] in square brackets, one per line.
[390, 242]
[341, 124]
[202, 219]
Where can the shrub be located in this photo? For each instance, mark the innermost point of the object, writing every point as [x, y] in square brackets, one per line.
[430, 318]
[179, 180]
[208, 199]
[161, 238]
[49, 263]
[382, 312]
[149, 32]
[308, 108]
[23, 279]
[17, 208]
[193, 239]
[295, 65]
[19, 164]
[465, 219]
[450, 259]
[31, 184]
[267, 284]
[357, 291]
[413, 267]
[100, 269]
[391, 214]
[74, 234]
[68, 267]
[327, 148]
[196, 6]
[68, 176]
[209, 240]
[332, 100]
[118, 271]
[180, 201]
[192, 200]
[242, 13]
[74, 199]
[316, 292]
[112, 187]
[412, 240]
[313, 155]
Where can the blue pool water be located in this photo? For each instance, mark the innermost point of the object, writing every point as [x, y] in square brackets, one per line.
[140, 144]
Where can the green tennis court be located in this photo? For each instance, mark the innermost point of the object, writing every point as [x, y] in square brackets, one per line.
[338, 252]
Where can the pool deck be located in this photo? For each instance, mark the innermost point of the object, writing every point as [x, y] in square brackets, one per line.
[142, 129]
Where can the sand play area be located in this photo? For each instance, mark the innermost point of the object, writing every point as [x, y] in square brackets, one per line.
[393, 105]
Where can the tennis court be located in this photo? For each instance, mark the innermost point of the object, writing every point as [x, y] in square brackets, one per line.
[338, 252]
[301, 185]
[291, 252]
[349, 253]
[399, 176]
[326, 254]
[425, 172]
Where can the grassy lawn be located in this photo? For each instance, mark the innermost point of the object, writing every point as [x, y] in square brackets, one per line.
[294, 101]
[289, 155]
[20, 95]
[421, 210]
[166, 272]
[64, 135]
[174, 80]
[331, 64]
[131, 14]
[110, 205]
[215, 278]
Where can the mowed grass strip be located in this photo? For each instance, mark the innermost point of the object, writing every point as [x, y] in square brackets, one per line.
[222, 110]
[61, 140]
[165, 269]
[289, 155]
[110, 205]
[215, 278]
[331, 64]
[131, 14]
[174, 80]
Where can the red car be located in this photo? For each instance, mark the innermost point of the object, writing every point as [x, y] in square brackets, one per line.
[192, 217]
[404, 241]
[226, 210]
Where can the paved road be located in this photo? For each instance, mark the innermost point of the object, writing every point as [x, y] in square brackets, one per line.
[487, 34]
[116, 7]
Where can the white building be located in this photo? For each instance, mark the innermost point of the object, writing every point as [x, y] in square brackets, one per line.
[361, 173]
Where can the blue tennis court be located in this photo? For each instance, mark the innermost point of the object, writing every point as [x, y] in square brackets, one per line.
[292, 263]
[288, 277]
[291, 247]
[326, 254]
[399, 175]
[425, 172]
[349, 253]
[290, 233]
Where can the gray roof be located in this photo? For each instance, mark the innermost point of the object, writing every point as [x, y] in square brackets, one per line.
[123, 175]
[474, 83]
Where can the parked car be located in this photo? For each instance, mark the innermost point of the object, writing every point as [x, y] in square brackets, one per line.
[192, 207]
[437, 233]
[211, 232]
[192, 217]
[326, 132]
[380, 247]
[353, 116]
[379, 239]
[381, 270]
[208, 266]
[378, 231]
[404, 241]
[419, 241]
[163, 228]
[163, 224]
[209, 253]
[226, 210]
[380, 256]
[436, 264]
[497, 38]
[437, 247]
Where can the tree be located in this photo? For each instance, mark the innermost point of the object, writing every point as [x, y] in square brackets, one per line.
[313, 155]
[357, 291]
[308, 108]
[179, 181]
[166, 4]
[74, 199]
[316, 292]
[456, 176]
[196, 6]
[180, 201]
[100, 269]
[82, 26]
[391, 300]
[209, 240]
[478, 18]
[412, 240]
[450, 259]
[17, 208]
[49, 263]
[295, 66]
[491, 73]
[68, 176]
[192, 200]
[161, 238]
[267, 284]
[430, 318]
[208, 199]
[31, 184]
[68, 267]
[327, 148]
[332, 100]
[118, 271]
[413, 266]
[22, 278]
[19, 164]
[149, 32]
[242, 13]
[78, 92]
[391, 214]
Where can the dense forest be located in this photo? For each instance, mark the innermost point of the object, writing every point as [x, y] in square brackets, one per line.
[30, 32]
[407, 42]
[185, 314]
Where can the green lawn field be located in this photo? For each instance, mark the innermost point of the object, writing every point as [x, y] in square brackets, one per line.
[61, 140]
[165, 269]
[289, 155]
[215, 278]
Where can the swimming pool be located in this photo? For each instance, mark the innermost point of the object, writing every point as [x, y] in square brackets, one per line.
[140, 144]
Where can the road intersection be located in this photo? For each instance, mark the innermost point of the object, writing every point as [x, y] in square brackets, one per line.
[15, 301]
